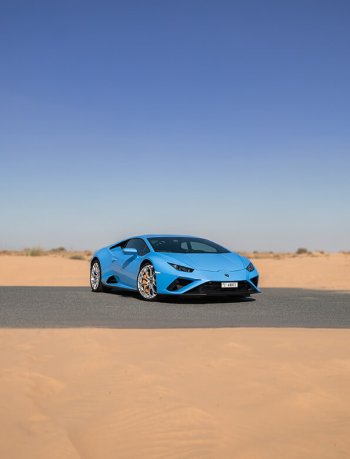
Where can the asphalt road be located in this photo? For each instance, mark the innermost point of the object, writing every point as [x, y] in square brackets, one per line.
[65, 307]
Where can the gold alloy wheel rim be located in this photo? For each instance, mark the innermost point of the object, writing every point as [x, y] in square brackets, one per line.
[146, 282]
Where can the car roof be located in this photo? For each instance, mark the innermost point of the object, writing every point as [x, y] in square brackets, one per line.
[162, 235]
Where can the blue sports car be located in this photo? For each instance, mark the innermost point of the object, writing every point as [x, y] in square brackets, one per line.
[156, 264]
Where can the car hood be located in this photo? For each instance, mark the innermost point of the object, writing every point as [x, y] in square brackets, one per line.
[206, 261]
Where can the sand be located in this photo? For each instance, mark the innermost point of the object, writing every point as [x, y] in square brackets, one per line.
[325, 272]
[329, 271]
[231, 393]
[43, 271]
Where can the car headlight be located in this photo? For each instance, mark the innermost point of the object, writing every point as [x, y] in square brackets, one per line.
[250, 267]
[181, 268]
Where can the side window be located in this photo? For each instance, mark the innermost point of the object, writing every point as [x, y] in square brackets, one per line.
[184, 246]
[121, 245]
[139, 245]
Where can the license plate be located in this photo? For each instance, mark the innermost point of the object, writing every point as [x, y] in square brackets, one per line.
[229, 284]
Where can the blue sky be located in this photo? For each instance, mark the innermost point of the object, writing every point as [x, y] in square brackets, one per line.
[225, 119]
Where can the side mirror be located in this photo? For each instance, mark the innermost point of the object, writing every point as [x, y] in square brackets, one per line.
[129, 251]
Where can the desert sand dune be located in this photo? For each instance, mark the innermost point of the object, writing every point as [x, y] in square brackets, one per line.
[240, 393]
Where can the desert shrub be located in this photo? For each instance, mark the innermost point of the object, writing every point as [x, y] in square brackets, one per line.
[34, 252]
[59, 249]
[77, 256]
[301, 251]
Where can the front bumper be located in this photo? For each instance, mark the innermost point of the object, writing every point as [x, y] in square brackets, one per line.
[244, 288]
[204, 283]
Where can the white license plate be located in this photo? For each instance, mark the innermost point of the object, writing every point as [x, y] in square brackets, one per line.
[229, 284]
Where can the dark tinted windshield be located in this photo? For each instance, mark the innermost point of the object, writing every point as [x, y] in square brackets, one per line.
[185, 245]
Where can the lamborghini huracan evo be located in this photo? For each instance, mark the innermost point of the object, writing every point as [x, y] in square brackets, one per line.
[157, 264]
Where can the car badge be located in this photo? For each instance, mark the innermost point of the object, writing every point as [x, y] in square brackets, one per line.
[227, 275]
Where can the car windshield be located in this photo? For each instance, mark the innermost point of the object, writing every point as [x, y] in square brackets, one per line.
[185, 245]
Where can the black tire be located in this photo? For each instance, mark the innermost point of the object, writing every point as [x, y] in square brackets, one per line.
[147, 289]
[95, 277]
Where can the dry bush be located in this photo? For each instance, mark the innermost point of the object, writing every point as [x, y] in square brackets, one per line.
[58, 250]
[302, 251]
[76, 256]
[34, 252]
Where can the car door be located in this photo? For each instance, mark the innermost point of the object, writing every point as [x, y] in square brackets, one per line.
[117, 260]
[126, 266]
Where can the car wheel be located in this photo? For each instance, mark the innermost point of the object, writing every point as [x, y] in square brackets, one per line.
[146, 282]
[95, 277]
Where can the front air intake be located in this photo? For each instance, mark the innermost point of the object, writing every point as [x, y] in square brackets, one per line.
[215, 288]
[178, 283]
